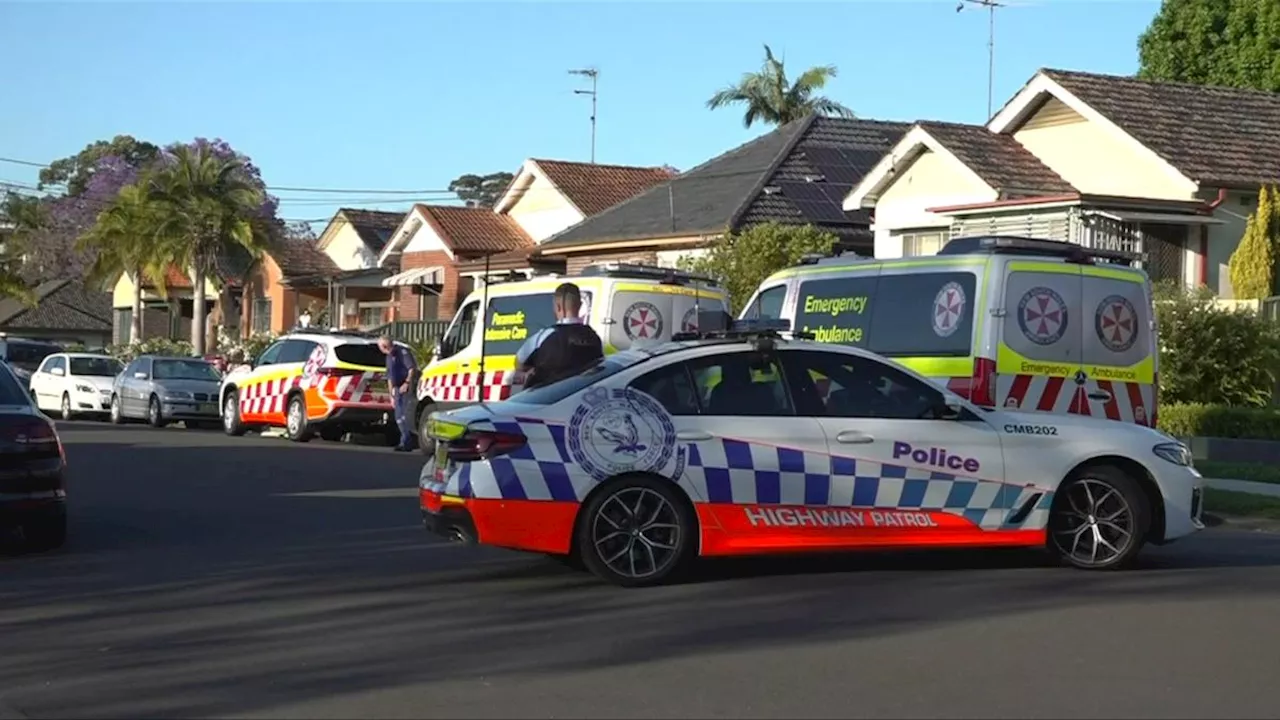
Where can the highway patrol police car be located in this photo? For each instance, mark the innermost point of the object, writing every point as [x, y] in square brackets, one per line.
[742, 442]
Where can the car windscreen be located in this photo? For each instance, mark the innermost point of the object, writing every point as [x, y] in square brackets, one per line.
[184, 370]
[27, 356]
[96, 367]
[366, 354]
[561, 389]
[11, 393]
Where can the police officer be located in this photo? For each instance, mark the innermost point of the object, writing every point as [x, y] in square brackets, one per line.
[566, 348]
[402, 370]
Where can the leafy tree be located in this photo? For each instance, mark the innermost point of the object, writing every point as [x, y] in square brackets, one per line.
[207, 204]
[1252, 265]
[742, 260]
[1212, 355]
[1235, 43]
[770, 97]
[74, 172]
[299, 232]
[481, 190]
[124, 240]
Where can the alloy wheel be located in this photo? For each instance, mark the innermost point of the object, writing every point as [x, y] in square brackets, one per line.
[636, 533]
[229, 412]
[295, 418]
[1093, 523]
[66, 407]
[115, 409]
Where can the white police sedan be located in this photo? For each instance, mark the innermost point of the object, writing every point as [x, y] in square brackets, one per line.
[743, 443]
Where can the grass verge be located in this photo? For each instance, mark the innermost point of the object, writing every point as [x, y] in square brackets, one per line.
[1238, 504]
[1225, 470]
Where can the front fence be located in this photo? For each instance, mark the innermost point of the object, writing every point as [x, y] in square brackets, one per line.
[420, 332]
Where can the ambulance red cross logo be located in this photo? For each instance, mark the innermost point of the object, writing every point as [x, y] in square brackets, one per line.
[1116, 323]
[642, 321]
[1042, 316]
[948, 308]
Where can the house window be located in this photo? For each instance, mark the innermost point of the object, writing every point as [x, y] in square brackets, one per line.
[262, 315]
[123, 325]
[428, 306]
[923, 242]
[373, 314]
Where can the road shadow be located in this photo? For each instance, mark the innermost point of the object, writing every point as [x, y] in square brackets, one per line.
[238, 577]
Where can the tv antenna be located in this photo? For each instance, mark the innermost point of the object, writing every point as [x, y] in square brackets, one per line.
[991, 6]
[594, 74]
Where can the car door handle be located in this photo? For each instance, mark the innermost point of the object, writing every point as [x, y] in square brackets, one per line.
[853, 437]
[1100, 395]
[693, 435]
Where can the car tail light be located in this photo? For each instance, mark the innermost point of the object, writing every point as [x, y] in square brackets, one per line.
[982, 391]
[36, 434]
[484, 444]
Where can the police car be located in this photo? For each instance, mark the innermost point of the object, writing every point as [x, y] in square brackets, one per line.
[742, 442]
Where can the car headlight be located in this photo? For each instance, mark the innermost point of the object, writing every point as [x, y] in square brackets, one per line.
[1174, 452]
[84, 388]
[177, 395]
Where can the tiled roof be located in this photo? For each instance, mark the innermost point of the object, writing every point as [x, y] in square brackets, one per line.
[61, 305]
[742, 186]
[300, 258]
[230, 267]
[596, 188]
[1216, 136]
[476, 229]
[373, 226]
[1001, 162]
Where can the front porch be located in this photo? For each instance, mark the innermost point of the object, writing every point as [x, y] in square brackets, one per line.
[350, 300]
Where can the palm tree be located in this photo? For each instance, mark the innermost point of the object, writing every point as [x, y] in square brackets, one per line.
[125, 237]
[208, 206]
[771, 98]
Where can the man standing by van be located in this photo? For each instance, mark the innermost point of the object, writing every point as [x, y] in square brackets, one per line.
[563, 349]
[401, 369]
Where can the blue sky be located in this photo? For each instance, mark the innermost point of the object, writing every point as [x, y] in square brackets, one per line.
[407, 96]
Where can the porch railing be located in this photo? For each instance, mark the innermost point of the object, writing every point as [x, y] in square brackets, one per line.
[419, 331]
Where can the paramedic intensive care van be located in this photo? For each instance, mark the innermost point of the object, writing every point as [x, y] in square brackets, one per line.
[624, 303]
[1012, 322]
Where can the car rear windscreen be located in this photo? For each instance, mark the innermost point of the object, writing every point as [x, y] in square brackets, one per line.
[926, 314]
[366, 354]
[27, 356]
[11, 393]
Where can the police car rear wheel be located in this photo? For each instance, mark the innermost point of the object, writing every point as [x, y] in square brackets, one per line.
[636, 532]
[426, 443]
[231, 423]
[296, 420]
[1099, 519]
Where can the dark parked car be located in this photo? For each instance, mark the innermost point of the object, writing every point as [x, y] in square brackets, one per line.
[33, 498]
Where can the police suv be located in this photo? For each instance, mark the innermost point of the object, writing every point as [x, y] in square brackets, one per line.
[751, 440]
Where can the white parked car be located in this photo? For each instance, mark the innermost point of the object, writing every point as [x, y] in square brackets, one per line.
[751, 444]
[75, 384]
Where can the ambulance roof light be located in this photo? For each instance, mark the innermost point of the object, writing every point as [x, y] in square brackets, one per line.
[1016, 244]
[670, 276]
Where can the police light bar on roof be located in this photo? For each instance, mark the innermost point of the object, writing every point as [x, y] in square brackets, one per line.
[755, 326]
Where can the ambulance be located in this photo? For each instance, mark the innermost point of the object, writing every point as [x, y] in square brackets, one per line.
[627, 304]
[1012, 322]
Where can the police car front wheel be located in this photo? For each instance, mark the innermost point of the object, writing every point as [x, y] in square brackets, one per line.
[637, 531]
[1099, 519]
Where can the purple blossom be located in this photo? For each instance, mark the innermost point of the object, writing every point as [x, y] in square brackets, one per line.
[220, 148]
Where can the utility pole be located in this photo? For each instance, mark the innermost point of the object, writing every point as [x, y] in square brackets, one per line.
[595, 76]
[991, 6]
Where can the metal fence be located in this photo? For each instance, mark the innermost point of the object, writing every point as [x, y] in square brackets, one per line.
[421, 332]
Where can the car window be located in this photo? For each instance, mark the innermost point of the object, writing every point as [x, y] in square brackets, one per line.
[95, 366]
[513, 319]
[28, 356]
[271, 355]
[767, 305]
[672, 386]
[47, 364]
[58, 363]
[182, 369]
[461, 331]
[561, 389]
[131, 368]
[366, 354]
[923, 314]
[740, 384]
[830, 384]
[295, 351]
[11, 392]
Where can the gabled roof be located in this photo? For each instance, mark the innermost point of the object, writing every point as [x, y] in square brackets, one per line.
[229, 267]
[1215, 136]
[61, 305]
[595, 188]
[300, 258]
[1002, 162]
[795, 174]
[470, 230]
[373, 227]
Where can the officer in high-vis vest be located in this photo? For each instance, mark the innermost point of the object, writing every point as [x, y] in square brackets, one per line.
[564, 349]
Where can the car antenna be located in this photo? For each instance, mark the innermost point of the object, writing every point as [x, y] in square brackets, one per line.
[484, 324]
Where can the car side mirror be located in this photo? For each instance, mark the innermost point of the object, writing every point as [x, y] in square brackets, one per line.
[140, 375]
[58, 371]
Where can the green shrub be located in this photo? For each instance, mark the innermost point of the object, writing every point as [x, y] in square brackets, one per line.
[152, 346]
[1198, 420]
[1212, 355]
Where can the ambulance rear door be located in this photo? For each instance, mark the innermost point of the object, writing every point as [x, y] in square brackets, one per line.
[1038, 353]
[1119, 363]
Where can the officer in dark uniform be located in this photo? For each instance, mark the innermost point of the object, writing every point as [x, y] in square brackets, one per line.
[564, 349]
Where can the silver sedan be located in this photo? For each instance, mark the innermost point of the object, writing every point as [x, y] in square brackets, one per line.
[162, 390]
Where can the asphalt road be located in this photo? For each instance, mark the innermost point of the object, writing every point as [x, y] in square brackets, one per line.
[216, 576]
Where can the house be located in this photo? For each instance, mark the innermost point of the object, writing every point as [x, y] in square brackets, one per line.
[797, 174]
[1170, 171]
[167, 311]
[66, 312]
[440, 251]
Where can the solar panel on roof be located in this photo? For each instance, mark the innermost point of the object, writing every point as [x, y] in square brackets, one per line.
[812, 200]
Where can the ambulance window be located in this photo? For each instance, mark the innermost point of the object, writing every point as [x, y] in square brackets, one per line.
[836, 310]
[1041, 319]
[923, 314]
[767, 305]
[687, 309]
[641, 318]
[1116, 322]
[514, 318]
[460, 334]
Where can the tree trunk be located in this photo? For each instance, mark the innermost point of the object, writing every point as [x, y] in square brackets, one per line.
[197, 307]
[135, 321]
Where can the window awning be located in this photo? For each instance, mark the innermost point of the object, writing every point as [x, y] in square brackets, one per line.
[1159, 217]
[416, 276]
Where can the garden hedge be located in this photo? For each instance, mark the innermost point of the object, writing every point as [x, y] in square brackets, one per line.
[1195, 420]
